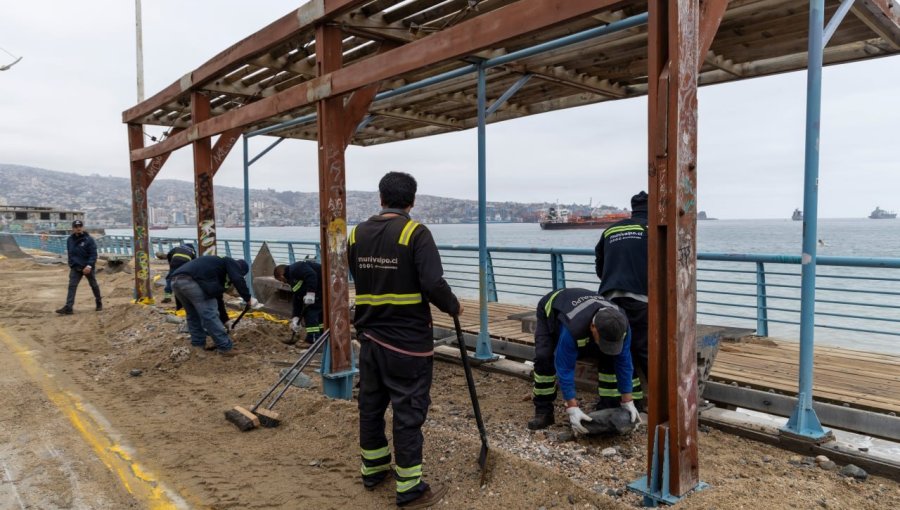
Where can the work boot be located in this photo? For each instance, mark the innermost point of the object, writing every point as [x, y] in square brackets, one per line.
[541, 420]
[64, 311]
[167, 298]
[372, 481]
[99, 305]
[431, 496]
[230, 353]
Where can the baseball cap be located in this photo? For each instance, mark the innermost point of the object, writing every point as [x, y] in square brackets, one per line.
[77, 223]
[613, 326]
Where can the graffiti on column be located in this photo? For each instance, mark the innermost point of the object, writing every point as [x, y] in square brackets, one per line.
[141, 241]
[338, 305]
[206, 215]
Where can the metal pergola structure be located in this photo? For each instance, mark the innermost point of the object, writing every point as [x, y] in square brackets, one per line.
[376, 71]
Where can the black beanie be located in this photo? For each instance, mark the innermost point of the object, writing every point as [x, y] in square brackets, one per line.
[639, 202]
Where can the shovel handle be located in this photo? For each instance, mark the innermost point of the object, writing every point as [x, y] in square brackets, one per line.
[241, 316]
[470, 382]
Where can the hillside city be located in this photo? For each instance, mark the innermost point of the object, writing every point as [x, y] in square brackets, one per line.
[106, 202]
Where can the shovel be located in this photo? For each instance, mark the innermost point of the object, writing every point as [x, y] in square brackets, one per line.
[241, 316]
[464, 355]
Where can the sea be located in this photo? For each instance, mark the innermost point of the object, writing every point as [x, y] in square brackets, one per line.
[836, 237]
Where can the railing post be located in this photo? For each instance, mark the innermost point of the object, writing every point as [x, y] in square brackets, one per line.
[762, 306]
[228, 250]
[491, 281]
[293, 258]
[557, 271]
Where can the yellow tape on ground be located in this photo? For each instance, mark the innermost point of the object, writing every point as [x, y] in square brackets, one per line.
[140, 483]
[232, 314]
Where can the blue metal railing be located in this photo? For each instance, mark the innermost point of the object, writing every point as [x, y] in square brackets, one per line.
[854, 294]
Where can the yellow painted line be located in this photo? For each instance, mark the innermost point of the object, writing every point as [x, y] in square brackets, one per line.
[144, 485]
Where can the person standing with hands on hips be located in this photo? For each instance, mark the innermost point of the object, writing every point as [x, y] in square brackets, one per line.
[82, 253]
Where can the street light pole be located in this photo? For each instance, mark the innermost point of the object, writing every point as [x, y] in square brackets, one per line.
[140, 50]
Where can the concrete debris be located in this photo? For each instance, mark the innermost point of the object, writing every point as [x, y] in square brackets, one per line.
[853, 471]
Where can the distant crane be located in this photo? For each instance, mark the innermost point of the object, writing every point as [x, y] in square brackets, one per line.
[7, 66]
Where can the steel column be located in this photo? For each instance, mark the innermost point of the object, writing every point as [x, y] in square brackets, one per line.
[203, 180]
[247, 258]
[337, 379]
[483, 350]
[804, 422]
[762, 304]
[141, 238]
[673, 65]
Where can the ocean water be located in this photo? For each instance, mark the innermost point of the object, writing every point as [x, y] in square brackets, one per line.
[875, 312]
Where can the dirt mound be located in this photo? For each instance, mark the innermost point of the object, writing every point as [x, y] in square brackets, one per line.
[167, 402]
[9, 248]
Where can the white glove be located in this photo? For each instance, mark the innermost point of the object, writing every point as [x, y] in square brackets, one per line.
[576, 416]
[309, 298]
[295, 325]
[255, 304]
[632, 412]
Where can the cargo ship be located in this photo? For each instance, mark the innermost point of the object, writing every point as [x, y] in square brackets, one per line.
[881, 214]
[556, 218]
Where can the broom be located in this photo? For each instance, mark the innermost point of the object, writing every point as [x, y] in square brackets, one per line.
[245, 419]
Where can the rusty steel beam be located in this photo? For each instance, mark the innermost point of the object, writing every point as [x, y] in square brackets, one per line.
[332, 133]
[521, 18]
[257, 44]
[711, 14]
[674, 36]
[203, 180]
[220, 151]
[156, 164]
[139, 218]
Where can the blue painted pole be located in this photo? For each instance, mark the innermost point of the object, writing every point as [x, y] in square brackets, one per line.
[803, 421]
[483, 348]
[246, 243]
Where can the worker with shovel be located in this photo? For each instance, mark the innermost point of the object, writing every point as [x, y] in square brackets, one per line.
[573, 323]
[397, 270]
[305, 280]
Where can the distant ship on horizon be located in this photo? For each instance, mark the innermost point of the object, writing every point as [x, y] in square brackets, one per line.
[881, 214]
[557, 218]
[798, 215]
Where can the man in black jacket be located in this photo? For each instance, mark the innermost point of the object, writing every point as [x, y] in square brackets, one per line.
[621, 263]
[305, 280]
[397, 271]
[82, 253]
[198, 285]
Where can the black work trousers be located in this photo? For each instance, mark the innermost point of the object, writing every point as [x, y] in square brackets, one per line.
[75, 276]
[404, 382]
[636, 311]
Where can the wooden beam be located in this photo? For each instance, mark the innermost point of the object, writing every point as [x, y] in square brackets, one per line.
[424, 118]
[720, 62]
[139, 218]
[156, 164]
[521, 18]
[272, 35]
[565, 76]
[882, 17]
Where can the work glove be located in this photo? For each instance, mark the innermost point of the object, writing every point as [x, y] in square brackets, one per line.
[309, 298]
[295, 324]
[632, 412]
[255, 304]
[576, 416]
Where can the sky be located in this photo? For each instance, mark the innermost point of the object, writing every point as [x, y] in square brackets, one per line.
[61, 110]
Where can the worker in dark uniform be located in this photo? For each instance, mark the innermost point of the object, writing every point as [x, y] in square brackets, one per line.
[198, 285]
[575, 323]
[397, 271]
[177, 257]
[305, 280]
[82, 253]
[621, 264]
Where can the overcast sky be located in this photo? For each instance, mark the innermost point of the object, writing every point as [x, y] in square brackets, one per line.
[61, 110]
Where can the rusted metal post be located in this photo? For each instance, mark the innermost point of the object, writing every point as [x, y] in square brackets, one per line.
[203, 179]
[139, 218]
[673, 40]
[333, 219]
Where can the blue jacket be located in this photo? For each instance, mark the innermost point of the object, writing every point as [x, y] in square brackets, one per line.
[567, 354]
[82, 251]
[212, 273]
